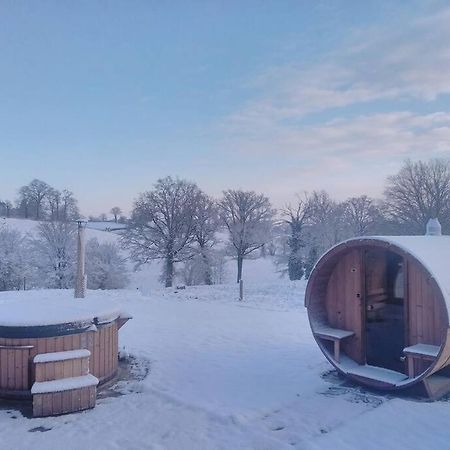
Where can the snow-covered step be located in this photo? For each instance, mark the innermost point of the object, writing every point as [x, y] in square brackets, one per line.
[59, 365]
[385, 376]
[63, 396]
[65, 384]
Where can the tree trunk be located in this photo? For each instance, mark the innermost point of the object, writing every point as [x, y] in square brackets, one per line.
[208, 276]
[295, 268]
[240, 260]
[169, 270]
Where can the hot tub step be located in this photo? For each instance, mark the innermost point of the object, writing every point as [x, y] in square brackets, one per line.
[64, 396]
[59, 365]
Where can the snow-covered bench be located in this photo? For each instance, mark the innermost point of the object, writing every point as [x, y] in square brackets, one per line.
[63, 383]
[335, 335]
[420, 351]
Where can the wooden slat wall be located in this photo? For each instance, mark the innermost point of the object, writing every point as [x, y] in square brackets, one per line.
[14, 369]
[425, 324]
[55, 370]
[426, 319]
[55, 403]
[342, 303]
[15, 365]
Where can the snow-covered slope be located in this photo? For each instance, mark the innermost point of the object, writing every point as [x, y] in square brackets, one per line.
[29, 226]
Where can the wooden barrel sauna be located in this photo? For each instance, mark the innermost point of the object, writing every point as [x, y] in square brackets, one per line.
[378, 309]
[31, 328]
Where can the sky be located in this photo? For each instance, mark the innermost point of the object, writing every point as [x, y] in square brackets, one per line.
[280, 97]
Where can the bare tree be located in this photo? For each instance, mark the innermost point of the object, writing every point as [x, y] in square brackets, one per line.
[54, 203]
[162, 224]
[69, 206]
[418, 192]
[34, 194]
[23, 203]
[116, 212]
[296, 218]
[248, 217]
[360, 215]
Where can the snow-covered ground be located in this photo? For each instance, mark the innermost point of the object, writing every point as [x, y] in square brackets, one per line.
[225, 374]
[215, 373]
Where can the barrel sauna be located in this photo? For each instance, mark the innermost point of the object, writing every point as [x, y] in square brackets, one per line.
[31, 328]
[378, 309]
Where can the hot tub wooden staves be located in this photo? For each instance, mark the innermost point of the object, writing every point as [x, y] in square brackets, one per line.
[20, 345]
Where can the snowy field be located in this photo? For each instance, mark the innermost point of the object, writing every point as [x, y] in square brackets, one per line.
[216, 373]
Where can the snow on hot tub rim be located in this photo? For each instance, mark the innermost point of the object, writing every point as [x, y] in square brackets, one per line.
[48, 307]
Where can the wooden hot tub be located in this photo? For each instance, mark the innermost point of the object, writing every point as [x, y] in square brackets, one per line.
[54, 324]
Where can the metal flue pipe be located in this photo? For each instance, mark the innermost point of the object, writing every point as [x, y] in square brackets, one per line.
[81, 278]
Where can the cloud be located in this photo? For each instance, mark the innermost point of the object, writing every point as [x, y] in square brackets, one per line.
[347, 156]
[350, 151]
[412, 62]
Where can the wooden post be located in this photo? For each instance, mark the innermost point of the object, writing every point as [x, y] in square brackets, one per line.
[337, 350]
[410, 366]
[241, 290]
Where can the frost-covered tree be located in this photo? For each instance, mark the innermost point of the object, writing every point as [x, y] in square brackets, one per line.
[116, 212]
[296, 218]
[206, 224]
[311, 260]
[162, 225]
[105, 266]
[55, 254]
[248, 218]
[5, 208]
[418, 192]
[193, 270]
[326, 224]
[13, 259]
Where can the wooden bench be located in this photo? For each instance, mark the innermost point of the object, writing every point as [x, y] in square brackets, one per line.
[335, 335]
[63, 383]
[425, 352]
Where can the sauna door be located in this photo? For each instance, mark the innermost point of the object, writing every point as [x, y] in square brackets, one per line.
[384, 311]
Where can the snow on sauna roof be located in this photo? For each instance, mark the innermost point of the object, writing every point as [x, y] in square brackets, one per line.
[54, 307]
[433, 252]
